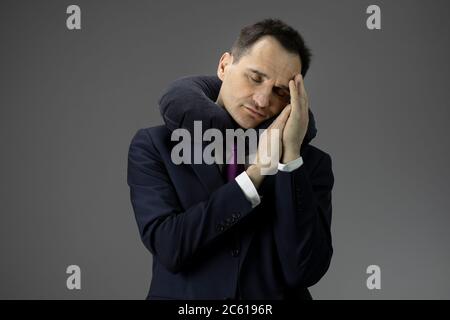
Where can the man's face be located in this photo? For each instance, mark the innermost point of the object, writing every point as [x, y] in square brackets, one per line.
[257, 87]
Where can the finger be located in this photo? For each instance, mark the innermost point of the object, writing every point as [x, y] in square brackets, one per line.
[294, 93]
[284, 121]
[302, 92]
[285, 116]
[280, 117]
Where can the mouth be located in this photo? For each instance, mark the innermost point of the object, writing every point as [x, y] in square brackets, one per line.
[255, 113]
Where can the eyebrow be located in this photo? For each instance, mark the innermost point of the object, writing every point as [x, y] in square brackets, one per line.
[261, 74]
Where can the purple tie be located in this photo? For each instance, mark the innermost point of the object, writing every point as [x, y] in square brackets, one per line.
[234, 169]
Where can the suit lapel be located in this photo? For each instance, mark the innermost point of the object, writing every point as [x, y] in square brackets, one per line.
[212, 179]
[209, 175]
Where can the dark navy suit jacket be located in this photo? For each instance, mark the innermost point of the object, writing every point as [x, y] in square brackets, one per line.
[206, 240]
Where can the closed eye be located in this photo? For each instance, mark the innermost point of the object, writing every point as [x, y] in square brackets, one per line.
[281, 93]
[255, 79]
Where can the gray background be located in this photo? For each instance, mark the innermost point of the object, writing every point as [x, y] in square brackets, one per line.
[72, 100]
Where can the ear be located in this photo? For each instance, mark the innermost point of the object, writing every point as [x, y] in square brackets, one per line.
[225, 61]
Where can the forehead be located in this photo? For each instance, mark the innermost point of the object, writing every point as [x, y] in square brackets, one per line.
[268, 56]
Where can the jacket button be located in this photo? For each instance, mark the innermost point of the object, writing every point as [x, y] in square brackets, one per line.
[220, 227]
[235, 252]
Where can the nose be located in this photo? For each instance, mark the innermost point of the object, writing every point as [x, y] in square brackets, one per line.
[262, 96]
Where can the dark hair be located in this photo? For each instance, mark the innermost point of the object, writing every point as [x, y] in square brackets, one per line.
[288, 37]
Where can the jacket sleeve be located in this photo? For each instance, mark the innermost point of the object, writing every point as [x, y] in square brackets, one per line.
[190, 99]
[303, 221]
[172, 234]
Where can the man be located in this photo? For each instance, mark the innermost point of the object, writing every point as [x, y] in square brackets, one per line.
[251, 236]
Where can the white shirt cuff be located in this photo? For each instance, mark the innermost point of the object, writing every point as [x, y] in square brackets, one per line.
[291, 165]
[250, 192]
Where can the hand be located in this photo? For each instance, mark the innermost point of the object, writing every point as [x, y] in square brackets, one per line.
[269, 149]
[297, 123]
